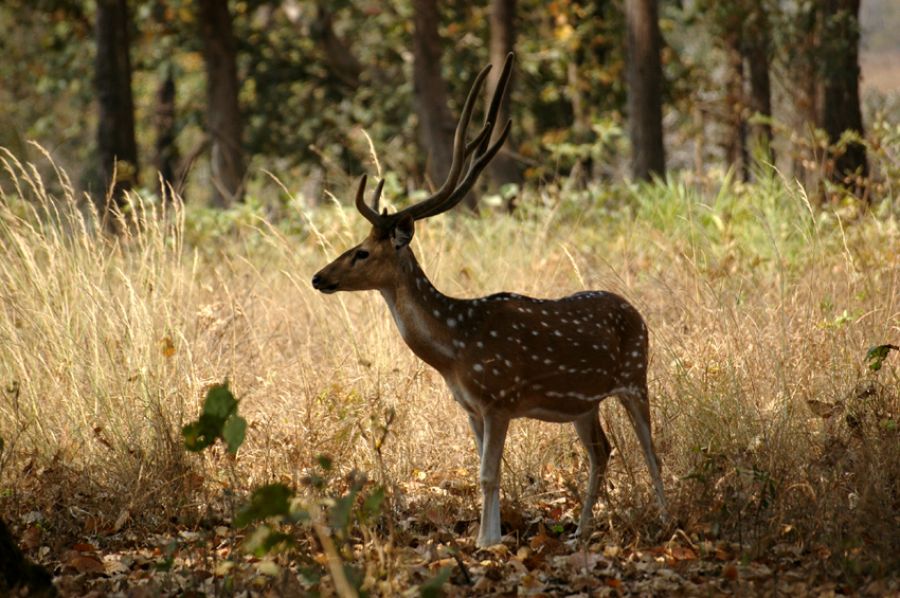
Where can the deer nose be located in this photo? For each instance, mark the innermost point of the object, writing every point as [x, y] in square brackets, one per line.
[320, 283]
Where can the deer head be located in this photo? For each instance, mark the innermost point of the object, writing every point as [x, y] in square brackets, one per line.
[374, 263]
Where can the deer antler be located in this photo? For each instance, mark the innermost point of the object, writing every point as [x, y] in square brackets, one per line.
[370, 214]
[480, 150]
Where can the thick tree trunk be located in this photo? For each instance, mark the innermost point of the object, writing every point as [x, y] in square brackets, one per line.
[116, 147]
[223, 114]
[503, 168]
[166, 157]
[644, 74]
[841, 107]
[436, 125]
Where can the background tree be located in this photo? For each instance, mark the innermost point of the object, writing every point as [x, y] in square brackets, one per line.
[436, 125]
[841, 110]
[644, 88]
[503, 168]
[116, 147]
[756, 48]
[223, 115]
[166, 156]
[740, 29]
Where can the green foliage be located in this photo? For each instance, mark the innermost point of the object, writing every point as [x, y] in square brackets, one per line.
[219, 420]
[875, 356]
[272, 500]
[433, 588]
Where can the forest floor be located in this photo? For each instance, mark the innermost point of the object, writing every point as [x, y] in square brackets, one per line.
[432, 547]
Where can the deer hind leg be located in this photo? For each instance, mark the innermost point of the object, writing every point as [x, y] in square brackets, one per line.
[637, 403]
[494, 437]
[598, 449]
[477, 425]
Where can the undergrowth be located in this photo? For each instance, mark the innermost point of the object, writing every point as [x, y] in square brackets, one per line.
[771, 424]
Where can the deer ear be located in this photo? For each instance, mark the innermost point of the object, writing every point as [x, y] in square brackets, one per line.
[403, 232]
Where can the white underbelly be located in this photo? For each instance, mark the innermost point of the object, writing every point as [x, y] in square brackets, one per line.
[549, 415]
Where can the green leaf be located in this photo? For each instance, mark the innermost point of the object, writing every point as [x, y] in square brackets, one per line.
[264, 540]
[324, 462]
[199, 434]
[219, 403]
[372, 506]
[233, 432]
[267, 501]
[340, 512]
[434, 587]
[876, 355]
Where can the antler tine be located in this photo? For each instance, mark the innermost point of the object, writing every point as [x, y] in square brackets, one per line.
[485, 152]
[475, 169]
[461, 151]
[376, 197]
[363, 208]
[497, 99]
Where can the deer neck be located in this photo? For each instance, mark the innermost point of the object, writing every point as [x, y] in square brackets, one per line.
[427, 319]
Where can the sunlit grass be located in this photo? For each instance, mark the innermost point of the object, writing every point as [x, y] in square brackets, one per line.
[757, 303]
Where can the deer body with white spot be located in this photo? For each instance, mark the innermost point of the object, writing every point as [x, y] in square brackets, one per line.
[504, 356]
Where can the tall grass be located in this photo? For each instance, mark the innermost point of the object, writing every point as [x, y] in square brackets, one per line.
[761, 309]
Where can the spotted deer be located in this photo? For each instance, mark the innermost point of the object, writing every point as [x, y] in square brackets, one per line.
[504, 356]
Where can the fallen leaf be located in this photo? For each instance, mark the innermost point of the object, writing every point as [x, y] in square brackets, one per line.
[682, 553]
[730, 572]
[115, 566]
[31, 537]
[584, 560]
[86, 564]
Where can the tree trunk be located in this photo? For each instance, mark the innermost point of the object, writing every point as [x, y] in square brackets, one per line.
[736, 144]
[841, 107]
[166, 149]
[756, 51]
[116, 147]
[503, 168]
[342, 63]
[223, 114]
[436, 125]
[644, 75]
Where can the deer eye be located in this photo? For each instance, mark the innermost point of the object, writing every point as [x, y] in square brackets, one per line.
[360, 254]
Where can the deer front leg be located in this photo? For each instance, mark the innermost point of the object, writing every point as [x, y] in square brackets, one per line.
[594, 440]
[495, 428]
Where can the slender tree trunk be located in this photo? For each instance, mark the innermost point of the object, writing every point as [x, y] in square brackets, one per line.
[503, 168]
[757, 57]
[803, 66]
[644, 74]
[436, 125]
[116, 145]
[841, 107]
[223, 114]
[736, 144]
[166, 149]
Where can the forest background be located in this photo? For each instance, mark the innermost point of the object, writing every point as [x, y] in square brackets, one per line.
[176, 170]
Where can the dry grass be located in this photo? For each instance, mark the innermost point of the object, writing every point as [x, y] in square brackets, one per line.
[757, 303]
